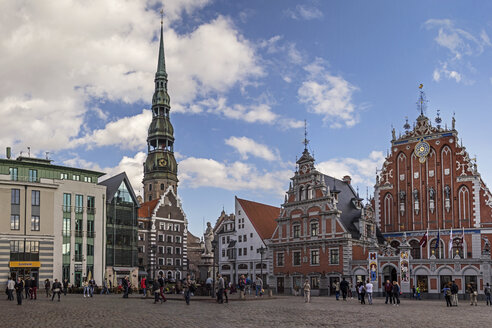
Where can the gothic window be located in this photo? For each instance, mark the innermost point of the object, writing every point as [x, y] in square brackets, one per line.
[458, 248]
[415, 251]
[464, 203]
[437, 252]
[388, 206]
[162, 186]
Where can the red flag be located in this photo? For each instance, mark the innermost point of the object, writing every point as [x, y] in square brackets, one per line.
[423, 241]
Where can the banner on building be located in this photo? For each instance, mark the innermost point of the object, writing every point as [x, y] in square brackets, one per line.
[373, 266]
[404, 267]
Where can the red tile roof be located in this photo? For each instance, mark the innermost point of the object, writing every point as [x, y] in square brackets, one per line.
[146, 209]
[261, 216]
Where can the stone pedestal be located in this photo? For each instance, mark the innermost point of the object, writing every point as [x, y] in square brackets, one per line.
[205, 267]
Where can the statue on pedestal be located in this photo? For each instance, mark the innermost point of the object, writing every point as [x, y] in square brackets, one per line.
[208, 236]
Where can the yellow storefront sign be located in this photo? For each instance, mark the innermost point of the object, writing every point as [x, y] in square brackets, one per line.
[25, 264]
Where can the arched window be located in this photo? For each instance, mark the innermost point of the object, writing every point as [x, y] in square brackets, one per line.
[396, 245]
[310, 194]
[226, 267]
[388, 208]
[415, 251]
[437, 252]
[242, 266]
[301, 193]
[162, 186]
[464, 203]
[458, 248]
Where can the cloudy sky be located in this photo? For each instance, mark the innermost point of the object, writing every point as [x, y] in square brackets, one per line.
[77, 81]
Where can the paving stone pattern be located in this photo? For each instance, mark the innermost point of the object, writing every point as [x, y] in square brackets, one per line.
[113, 311]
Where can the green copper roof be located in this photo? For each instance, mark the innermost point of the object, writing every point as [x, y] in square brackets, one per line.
[161, 64]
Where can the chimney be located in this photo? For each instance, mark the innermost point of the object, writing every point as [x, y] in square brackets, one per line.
[8, 153]
[347, 179]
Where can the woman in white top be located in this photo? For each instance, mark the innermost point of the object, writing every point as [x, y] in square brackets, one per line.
[369, 286]
[307, 291]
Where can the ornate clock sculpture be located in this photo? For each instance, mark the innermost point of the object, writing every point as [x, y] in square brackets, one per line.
[422, 149]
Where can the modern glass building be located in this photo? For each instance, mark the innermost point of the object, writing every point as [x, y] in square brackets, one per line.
[121, 230]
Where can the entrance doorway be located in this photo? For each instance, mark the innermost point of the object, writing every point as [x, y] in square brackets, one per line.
[389, 273]
[445, 280]
[280, 285]
[422, 282]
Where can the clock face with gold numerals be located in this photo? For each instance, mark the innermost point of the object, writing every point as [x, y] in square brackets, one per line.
[162, 162]
[422, 149]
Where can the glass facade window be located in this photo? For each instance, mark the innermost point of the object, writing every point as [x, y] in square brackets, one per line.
[35, 224]
[35, 195]
[91, 205]
[14, 222]
[78, 228]
[15, 197]
[63, 176]
[90, 250]
[76, 177]
[14, 173]
[79, 203]
[24, 250]
[66, 272]
[67, 203]
[78, 252]
[314, 257]
[66, 227]
[90, 229]
[33, 175]
[66, 248]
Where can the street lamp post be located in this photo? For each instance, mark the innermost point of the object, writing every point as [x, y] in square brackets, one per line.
[214, 245]
[261, 250]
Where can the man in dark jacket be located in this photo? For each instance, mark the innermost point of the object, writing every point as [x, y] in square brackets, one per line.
[19, 286]
[344, 286]
[161, 288]
[388, 289]
[57, 289]
[454, 294]
[156, 290]
[65, 287]
[34, 289]
[125, 287]
[27, 286]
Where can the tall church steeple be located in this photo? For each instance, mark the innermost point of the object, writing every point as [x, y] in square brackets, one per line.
[160, 167]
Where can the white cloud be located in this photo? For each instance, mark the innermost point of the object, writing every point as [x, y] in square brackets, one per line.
[303, 12]
[133, 166]
[58, 57]
[329, 96]
[246, 146]
[127, 133]
[203, 172]
[460, 44]
[361, 170]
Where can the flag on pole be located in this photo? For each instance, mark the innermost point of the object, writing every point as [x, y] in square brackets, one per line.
[451, 243]
[438, 239]
[423, 241]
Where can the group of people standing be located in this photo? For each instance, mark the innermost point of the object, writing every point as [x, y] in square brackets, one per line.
[27, 288]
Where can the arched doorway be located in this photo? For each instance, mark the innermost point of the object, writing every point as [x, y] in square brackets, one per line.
[389, 273]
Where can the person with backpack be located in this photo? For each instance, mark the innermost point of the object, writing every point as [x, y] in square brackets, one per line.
[447, 294]
[486, 291]
[362, 292]
[156, 289]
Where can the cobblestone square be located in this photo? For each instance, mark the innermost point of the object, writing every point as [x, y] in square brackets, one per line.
[113, 311]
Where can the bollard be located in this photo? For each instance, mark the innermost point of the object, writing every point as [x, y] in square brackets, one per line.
[270, 293]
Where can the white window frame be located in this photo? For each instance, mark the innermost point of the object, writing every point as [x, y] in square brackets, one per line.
[300, 258]
[329, 255]
[283, 257]
[311, 250]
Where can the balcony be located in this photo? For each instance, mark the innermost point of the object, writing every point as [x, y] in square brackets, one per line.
[79, 209]
[66, 233]
[91, 210]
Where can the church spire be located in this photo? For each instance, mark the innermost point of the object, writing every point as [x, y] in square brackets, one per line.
[161, 64]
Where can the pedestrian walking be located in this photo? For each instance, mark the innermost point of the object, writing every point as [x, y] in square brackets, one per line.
[156, 289]
[126, 286]
[337, 290]
[472, 290]
[161, 287]
[10, 289]
[396, 293]
[105, 289]
[65, 286]
[344, 287]
[34, 289]
[143, 286]
[227, 288]
[307, 291]
[487, 293]
[92, 285]
[447, 294]
[454, 293]
[350, 294]
[369, 287]
[242, 287]
[362, 292]
[259, 285]
[27, 287]
[388, 289]
[220, 289]
[419, 295]
[85, 284]
[188, 287]
[57, 288]
[19, 286]
[47, 287]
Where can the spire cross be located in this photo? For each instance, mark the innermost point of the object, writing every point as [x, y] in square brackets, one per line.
[305, 141]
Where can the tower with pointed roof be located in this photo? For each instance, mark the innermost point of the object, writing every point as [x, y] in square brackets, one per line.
[160, 167]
